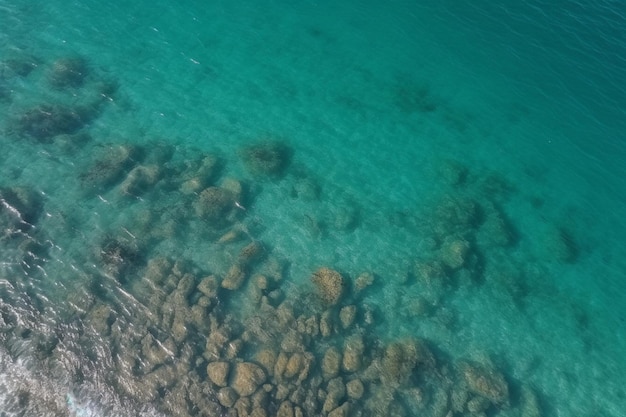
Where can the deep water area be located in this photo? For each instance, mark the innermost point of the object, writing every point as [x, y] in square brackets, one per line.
[299, 209]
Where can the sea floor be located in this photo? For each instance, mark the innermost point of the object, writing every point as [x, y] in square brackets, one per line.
[255, 211]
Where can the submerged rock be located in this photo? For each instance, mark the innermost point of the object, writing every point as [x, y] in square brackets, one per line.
[247, 378]
[355, 389]
[430, 273]
[218, 373]
[234, 278]
[363, 281]
[330, 285]
[342, 411]
[486, 382]
[110, 165]
[454, 253]
[101, 317]
[214, 204]
[294, 365]
[285, 410]
[401, 358]
[44, 122]
[251, 253]
[68, 72]
[20, 66]
[353, 352]
[455, 216]
[306, 189]
[496, 230]
[267, 158]
[335, 392]
[119, 257]
[209, 286]
[227, 396]
[140, 179]
[197, 174]
[347, 315]
[267, 359]
[331, 362]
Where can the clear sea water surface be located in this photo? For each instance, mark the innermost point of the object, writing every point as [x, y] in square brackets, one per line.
[174, 176]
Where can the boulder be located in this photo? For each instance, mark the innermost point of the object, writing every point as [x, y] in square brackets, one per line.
[335, 392]
[243, 407]
[455, 216]
[140, 179]
[355, 389]
[478, 405]
[258, 412]
[331, 362]
[234, 186]
[342, 411]
[347, 315]
[234, 278]
[209, 286]
[269, 158]
[267, 359]
[68, 72]
[251, 253]
[218, 373]
[100, 317]
[294, 365]
[280, 365]
[292, 342]
[119, 256]
[42, 123]
[363, 281]
[285, 410]
[400, 358]
[110, 165]
[326, 324]
[227, 396]
[214, 204]
[19, 66]
[454, 253]
[157, 270]
[353, 354]
[430, 272]
[486, 382]
[330, 285]
[231, 236]
[247, 377]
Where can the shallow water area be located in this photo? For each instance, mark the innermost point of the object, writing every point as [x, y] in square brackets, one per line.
[308, 209]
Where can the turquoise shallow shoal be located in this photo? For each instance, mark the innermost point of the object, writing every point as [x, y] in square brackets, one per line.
[467, 159]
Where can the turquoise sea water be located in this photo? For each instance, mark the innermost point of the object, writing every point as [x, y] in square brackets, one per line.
[469, 159]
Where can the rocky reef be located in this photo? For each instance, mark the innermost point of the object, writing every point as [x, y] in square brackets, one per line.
[234, 331]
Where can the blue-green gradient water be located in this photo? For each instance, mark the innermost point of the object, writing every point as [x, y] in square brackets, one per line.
[173, 174]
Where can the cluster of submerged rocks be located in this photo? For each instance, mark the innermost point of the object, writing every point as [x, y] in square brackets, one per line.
[66, 77]
[210, 344]
[239, 342]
